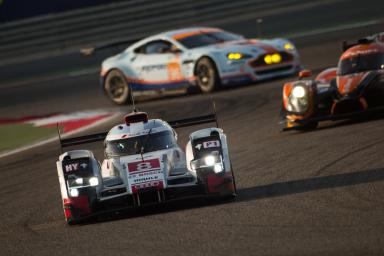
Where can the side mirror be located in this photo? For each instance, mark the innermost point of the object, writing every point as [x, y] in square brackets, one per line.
[305, 73]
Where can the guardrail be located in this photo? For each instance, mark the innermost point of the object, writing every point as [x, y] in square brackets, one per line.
[128, 20]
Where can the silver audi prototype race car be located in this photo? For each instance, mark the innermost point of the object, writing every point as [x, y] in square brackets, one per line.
[198, 56]
[143, 165]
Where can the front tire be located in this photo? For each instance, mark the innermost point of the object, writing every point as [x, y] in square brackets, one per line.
[116, 87]
[207, 77]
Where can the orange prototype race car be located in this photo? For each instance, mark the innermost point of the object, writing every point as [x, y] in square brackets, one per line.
[355, 87]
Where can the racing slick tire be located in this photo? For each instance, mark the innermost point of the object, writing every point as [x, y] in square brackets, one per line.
[116, 87]
[207, 77]
[312, 125]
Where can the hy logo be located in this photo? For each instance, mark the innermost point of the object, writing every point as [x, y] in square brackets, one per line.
[71, 167]
[75, 167]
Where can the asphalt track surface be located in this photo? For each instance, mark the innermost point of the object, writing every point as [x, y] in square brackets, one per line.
[313, 193]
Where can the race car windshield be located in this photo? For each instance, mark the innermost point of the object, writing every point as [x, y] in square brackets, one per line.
[205, 39]
[133, 146]
[361, 63]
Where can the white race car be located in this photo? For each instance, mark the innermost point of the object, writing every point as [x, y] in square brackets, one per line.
[144, 165]
[199, 56]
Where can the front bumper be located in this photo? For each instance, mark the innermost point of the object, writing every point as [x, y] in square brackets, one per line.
[251, 70]
[298, 124]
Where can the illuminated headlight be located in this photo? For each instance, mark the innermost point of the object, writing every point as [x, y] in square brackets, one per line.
[94, 181]
[209, 160]
[79, 181]
[298, 101]
[237, 56]
[289, 46]
[217, 168]
[234, 56]
[74, 192]
[298, 92]
[272, 58]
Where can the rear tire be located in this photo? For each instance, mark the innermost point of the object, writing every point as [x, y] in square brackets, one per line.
[207, 77]
[116, 87]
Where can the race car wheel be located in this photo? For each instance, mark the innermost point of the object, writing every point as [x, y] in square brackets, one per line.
[207, 77]
[312, 125]
[116, 87]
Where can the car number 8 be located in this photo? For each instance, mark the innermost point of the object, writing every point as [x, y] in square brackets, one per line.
[143, 166]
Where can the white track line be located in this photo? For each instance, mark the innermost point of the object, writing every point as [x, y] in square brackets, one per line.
[316, 32]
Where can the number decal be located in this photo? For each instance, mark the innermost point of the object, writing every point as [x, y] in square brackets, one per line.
[143, 166]
[211, 144]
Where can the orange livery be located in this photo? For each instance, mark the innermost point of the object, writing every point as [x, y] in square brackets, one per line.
[355, 87]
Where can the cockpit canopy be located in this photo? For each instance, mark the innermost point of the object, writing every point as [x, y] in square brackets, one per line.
[362, 57]
[140, 144]
[361, 63]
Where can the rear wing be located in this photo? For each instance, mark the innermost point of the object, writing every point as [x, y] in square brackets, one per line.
[89, 50]
[366, 40]
[194, 121]
[101, 136]
[82, 139]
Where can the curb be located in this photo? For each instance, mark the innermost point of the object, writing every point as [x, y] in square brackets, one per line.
[56, 138]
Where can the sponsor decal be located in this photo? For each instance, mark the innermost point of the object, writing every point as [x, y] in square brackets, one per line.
[211, 144]
[198, 146]
[157, 184]
[72, 167]
[145, 174]
[208, 144]
[75, 167]
[154, 67]
[145, 165]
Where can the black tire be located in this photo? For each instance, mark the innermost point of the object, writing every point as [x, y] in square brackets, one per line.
[234, 183]
[312, 125]
[207, 77]
[116, 87]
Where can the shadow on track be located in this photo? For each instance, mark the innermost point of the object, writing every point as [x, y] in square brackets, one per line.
[253, 193]
[310, 184]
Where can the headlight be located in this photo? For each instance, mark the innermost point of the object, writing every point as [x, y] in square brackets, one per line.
[74, 192]
[298, 91]
[94, 181]
[272, 58]
[237, 56]
[298, 100]
[218, 168]
[289, 46]
[79, 181]
[209, 160]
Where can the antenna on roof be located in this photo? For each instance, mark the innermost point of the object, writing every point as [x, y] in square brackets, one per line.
[58, 133]
[214, 112]
[132, 98]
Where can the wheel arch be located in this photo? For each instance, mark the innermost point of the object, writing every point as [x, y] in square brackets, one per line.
[108, 72]
[212, 59]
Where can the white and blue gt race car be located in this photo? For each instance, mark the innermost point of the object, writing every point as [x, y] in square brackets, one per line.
[198, 56]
